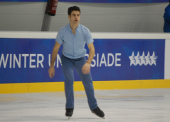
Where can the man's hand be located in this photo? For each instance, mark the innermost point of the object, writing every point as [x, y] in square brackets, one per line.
[51, 72]
[86, 68]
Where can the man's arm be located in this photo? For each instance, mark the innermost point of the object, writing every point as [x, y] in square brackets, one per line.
[86, 66]
[91, 52]
[53, 58]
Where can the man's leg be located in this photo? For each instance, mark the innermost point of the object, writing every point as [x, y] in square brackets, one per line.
[87, 82]
[68, 68]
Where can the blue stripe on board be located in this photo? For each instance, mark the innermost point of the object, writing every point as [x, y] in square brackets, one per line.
[116, 1]
[93, 1]
[23, 0]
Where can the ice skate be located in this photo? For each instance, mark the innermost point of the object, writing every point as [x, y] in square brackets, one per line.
[69, 112]
[98, 112]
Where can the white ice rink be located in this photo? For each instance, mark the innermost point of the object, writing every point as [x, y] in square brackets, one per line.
[144, 105]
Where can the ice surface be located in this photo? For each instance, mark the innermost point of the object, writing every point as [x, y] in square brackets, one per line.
[142, 105]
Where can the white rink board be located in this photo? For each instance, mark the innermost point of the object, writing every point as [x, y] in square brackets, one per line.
[167, 59]
[52, 35]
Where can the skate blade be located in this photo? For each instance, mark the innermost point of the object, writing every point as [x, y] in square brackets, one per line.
[99, 116]
[68, 117]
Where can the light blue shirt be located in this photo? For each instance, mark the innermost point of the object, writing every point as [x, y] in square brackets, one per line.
[73, 45]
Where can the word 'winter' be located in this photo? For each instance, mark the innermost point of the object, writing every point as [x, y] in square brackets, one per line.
[33, 60]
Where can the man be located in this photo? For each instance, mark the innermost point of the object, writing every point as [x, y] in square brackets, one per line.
[73, 37]
[167, 19]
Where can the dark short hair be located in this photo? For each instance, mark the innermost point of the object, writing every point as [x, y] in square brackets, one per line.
[73, 8]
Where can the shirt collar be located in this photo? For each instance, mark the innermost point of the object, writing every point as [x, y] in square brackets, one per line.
[77, 29]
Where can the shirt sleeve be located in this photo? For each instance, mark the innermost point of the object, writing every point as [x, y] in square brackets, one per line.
[88, 36]
[59, 37]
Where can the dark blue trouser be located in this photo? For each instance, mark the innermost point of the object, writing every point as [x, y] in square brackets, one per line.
[68, 66]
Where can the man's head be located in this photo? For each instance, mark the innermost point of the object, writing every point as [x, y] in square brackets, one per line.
[73, 8]
[74, 14]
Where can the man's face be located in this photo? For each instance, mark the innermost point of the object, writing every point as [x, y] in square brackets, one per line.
[74, 17]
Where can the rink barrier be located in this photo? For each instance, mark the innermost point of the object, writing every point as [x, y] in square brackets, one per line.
[163, 81]
[78, 86]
